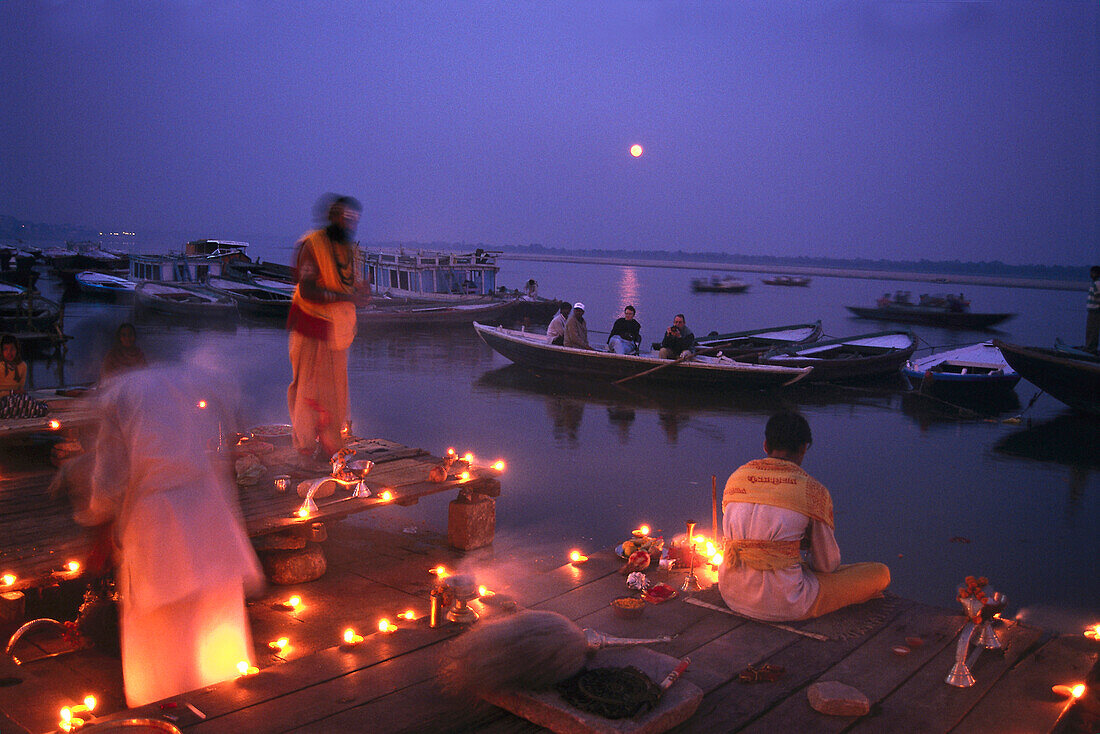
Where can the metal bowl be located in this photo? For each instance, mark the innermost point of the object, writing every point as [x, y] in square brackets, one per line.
[628, 607]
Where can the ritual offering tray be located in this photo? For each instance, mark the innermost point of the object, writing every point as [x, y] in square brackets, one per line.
[664, 711]
[278, 434]
[628, 607]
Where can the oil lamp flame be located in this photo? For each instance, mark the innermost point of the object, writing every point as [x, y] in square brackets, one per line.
[385, 625]
[73, 566]
[7, 579]
[90, 702]
[484, 591]
[440, 571]
[468, 457]
[716, 559]
[66, 713]
[451, 451]
[293, 602]
[1078, 690]
[351, 638]
[245, 669]
[55, 424]
[1069, 691]
[498, 465]
[408, 614]
[279, 644]
[202, 406]
[1093, 632]
[576, 557]
[464, 476]
[386, 496]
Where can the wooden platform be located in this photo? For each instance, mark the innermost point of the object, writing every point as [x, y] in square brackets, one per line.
[388, 683]
[39, 535]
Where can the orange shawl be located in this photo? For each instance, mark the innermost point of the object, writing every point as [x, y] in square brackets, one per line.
[340, 315]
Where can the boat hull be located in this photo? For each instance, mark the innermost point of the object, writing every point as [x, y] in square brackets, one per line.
[1073, 381]
[930, 316]
[436, 315]
[532, 351]
[251, 299]
[740, 344]
[191, 302]
[105, 289]
[969, 374]
[851, 358]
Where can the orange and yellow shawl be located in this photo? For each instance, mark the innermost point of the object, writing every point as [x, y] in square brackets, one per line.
[337, 275]
[778, 483]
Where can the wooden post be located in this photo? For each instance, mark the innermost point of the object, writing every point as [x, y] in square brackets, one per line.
[714, 506]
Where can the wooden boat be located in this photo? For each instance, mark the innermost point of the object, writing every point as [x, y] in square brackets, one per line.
[105, 285]
[459, 314]
[187, 301]
[908, 313]
[853, 357]
[27, 312]
[533, 350]
[727, 284]
[793, 280]
[739, 344]
[252, 299]
[1071, 351]
[969, 373]
[1074, 381]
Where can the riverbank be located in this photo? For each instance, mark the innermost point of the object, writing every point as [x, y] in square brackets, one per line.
[937, 278]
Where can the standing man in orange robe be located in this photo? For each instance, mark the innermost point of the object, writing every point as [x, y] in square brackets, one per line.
[322, 327]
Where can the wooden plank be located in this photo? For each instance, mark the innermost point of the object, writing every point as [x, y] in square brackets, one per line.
[925, 703]
[870, 666]
[1022, 700]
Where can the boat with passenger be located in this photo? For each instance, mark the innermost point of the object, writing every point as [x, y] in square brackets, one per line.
[951, 312]
[789, 280]
[716, 284]
[533, 350]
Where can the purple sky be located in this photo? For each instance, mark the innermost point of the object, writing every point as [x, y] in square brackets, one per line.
[905, 130]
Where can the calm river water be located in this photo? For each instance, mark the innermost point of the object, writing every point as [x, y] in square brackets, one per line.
[934, 497]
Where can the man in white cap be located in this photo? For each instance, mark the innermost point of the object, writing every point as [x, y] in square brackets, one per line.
[576, 330]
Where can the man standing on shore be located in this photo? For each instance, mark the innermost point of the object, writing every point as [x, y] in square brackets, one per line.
[768, 508]
[1092, 320]
[322, 327]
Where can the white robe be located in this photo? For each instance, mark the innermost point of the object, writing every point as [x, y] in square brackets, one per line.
[775, 596]
[184, 561]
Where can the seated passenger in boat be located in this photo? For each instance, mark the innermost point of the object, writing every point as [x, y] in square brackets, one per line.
[13, 370]
[576, 330]
[770, 507]
[555, 332]
[626, 334]
[124, 353]
[679, 341]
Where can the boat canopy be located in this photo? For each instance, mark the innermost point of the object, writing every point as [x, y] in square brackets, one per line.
[431, 273]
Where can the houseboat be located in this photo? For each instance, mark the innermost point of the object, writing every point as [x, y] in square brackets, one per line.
[432, 276]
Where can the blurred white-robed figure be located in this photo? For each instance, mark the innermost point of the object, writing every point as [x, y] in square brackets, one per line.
[183, 559]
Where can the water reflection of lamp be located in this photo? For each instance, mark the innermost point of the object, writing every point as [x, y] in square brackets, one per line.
[465, 591]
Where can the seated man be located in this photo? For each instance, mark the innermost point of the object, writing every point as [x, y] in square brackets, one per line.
[576, 330]
[679, 342]
[555, 332]
[768, 508]
[626, 334]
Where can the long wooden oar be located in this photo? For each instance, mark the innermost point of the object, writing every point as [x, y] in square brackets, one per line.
[678, 360]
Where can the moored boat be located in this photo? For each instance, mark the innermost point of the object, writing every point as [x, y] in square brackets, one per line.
[930, 316]
[847, 358]
[968, 373]
[1073, 380]
[185, 301]
[24, 312]
[756, 341]
[457, 314]
[533, 350]
[105, 285]
[727, 284]
[790, 280]
[253, 299]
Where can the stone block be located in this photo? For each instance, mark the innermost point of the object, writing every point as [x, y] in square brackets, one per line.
[12, 609]
[471, 523]
[285, 567]
[837, 699]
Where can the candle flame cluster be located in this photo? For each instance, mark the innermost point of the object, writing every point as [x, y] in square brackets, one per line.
[74, 717]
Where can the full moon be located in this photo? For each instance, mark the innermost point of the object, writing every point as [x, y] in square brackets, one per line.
[636, 150]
